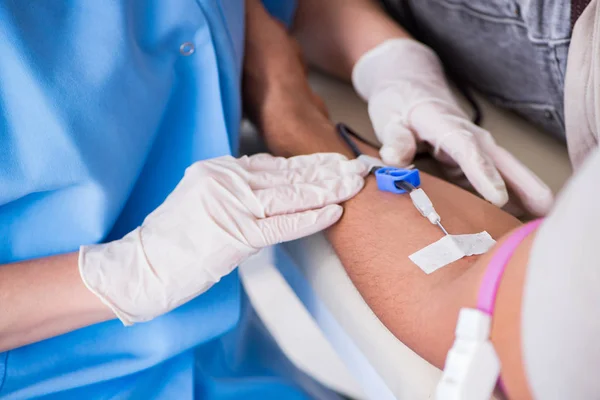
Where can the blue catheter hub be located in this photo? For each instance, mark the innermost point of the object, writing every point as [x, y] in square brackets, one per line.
[388, 176]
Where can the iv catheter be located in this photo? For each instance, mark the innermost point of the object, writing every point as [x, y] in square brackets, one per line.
[396, 180]
[399, 180]
[423, 204]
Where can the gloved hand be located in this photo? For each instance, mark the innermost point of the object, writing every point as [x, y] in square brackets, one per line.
[410, 103]
[223, 211]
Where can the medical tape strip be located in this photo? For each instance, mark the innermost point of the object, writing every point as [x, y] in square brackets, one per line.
[451, 248]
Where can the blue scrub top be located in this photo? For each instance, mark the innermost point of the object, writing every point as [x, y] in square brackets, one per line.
[100, 113]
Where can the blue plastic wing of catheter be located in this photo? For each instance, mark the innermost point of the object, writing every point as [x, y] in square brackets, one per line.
[388, 176]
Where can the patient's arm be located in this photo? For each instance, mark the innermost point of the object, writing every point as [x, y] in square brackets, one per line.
[379, 230]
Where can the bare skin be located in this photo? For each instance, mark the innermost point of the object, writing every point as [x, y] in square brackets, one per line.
[43, 298]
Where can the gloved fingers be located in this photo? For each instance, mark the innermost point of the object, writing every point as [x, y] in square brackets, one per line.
[267, 162]
[534, 195]
[397, 154]
[477, 166]
[313, 173]
[287, 199]
[449, 164]
[283, 228]
[514, 206]
[399, 145]
[457, 177]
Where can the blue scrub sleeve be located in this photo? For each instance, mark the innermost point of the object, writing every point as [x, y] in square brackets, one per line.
[283, 10]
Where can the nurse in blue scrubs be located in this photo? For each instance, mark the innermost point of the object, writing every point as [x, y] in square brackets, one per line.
[118, 122]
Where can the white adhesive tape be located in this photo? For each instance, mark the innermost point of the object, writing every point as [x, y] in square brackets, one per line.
[451, 248]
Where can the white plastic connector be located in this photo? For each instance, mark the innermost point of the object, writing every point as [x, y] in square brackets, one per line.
[472, 365]
[424, 205]
[473, 324]
[434, 217]
[370, 161]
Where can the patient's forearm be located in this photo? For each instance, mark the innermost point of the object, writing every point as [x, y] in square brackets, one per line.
[380, 230]
[374, 239]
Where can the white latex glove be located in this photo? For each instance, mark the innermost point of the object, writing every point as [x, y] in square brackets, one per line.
[223, 211]
[410, 103]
